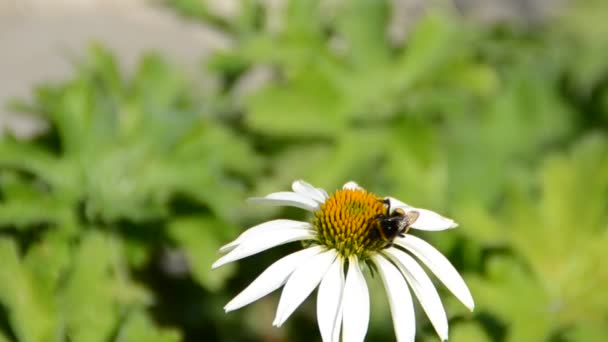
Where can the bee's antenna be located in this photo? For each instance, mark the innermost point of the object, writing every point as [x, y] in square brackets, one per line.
[388, 204]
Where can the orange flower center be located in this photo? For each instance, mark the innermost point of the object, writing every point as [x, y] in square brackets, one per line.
[345, 220]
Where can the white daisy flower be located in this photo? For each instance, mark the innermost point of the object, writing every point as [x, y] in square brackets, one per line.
[349, 229]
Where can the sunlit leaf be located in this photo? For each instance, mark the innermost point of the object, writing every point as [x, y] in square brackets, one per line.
[139, 327]
[31, 309]
[468, 332]
[97, 289]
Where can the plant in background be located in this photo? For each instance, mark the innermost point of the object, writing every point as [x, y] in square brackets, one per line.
[125, 169]
[558, 232]
[501, 126]
[457, 116]
[352, 227]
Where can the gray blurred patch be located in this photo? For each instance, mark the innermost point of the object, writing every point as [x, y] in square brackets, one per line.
[40, 39]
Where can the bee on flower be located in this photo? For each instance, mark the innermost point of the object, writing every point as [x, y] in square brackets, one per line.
[349, 229]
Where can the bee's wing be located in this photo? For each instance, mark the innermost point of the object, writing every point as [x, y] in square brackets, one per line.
[412, 216]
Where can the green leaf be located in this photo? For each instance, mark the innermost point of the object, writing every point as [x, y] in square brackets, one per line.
[4, 338]
[468, 332]
[531, 317]
[548, 224]
[31, 309]
[364, 26]
[583, 27]
[483, 154]
[308, 105]
[25, 206]
[567, 218]
[303, 19]
[201, 238]
[416, 169]
[32, 159]
[90, 317]
[127, 152]
[48, 261]
[157, 89]
[354, 156]
[139, 327]
[591, 331]
[98, 289]
[435, 41]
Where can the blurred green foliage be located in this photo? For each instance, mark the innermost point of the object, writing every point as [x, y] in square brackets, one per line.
[109, 221]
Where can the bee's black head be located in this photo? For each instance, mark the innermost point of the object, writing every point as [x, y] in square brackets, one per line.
[393, 225]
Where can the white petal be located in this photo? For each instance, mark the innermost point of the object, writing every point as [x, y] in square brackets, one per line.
[399, 298]
[323, 192]
[303, 188]
[428, 220]
[257, 244]
[423, 288]
[352, 186]
[265, 229]
[355, 304]
[440, 266]
[338, 324]
[329, 298]
[272, 278]
[288, 198]
[301, 283]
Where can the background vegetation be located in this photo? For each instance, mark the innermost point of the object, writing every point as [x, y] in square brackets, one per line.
[110, 220]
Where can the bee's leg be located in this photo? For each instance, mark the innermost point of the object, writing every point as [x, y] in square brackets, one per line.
[388, 245]
[404, 231]
[407, 229]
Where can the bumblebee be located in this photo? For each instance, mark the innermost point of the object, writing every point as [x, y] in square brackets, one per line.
[387, 227]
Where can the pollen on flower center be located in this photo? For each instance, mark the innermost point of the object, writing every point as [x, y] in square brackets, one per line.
[345, 219]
